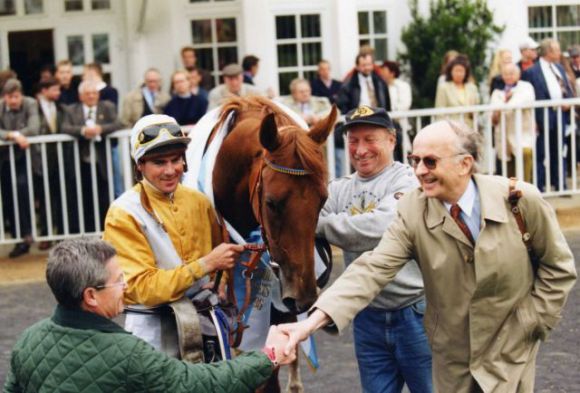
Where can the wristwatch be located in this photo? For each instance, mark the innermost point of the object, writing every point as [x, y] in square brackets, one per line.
[271, 353]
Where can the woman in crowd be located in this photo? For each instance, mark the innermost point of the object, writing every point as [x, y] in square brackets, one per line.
[501, 58]
[457, 90]
[185, 107]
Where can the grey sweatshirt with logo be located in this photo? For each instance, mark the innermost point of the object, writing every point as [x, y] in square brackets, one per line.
[354, 218]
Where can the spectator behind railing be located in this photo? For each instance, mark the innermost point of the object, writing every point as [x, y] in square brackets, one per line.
[514, 92]
[302, 102]
[233, 86]
[18, 120]
[147, 99]
[51, 118]
[90, 120]
[529, 54]
[550, 83]
[449, 56]
[457, 90]
[189, 62]
[69, 84]
[184, 107]
[194, 82]
[323, 85]
[401, 100]
[501, 58]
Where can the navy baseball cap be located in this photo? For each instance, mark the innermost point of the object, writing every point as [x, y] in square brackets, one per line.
[368, 116]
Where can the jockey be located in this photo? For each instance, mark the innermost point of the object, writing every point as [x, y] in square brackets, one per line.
[166, 235]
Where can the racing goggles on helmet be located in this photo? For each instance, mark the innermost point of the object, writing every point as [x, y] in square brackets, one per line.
[152, 132]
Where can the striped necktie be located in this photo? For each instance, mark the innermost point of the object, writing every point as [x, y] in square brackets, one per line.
[456, 214]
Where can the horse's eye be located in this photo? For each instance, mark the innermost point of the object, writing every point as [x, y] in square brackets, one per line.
[274, 206]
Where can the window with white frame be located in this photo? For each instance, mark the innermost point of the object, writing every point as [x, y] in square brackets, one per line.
[216, 43]
[99, 49]
[372, 31]
[299, 48]
[29, 7]
[81, 5]
[561, 22]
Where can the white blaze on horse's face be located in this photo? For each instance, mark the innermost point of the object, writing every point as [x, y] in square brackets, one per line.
[292, 190]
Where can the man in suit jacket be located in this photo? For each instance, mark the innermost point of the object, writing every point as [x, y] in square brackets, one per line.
[18, 120]
[146, 100]
[364, 87]
[550, 83]
[91, 120]
[324, 85]
[487, 307]
[310, 108]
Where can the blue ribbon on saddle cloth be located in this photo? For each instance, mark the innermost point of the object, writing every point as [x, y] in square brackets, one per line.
[265, 285]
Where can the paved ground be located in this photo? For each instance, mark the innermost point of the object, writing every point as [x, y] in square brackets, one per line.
[557, 371]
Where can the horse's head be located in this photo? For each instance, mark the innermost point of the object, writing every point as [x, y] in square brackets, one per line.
[291, 188]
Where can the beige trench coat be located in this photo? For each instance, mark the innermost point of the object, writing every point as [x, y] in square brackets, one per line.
[133, 106]
[485, 311]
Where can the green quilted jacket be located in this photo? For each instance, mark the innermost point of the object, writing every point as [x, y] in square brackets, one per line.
[77, 351]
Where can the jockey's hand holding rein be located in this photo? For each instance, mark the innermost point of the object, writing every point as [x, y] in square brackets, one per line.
[300, 331]
[223, 257]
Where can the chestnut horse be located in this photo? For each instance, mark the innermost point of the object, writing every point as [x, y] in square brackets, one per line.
[271, 172]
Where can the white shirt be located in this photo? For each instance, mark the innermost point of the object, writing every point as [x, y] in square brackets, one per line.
[93, 114]
[48, 110]
[364, 91]
[400, 94]
[548, 69]
[470, 209]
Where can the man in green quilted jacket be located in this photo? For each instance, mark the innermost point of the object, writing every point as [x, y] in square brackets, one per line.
[80, 349]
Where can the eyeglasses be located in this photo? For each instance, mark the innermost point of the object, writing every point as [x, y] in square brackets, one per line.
[151, 132]
[121, 283]
[430, 162]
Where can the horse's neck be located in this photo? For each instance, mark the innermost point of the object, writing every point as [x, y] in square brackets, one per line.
[231, 180]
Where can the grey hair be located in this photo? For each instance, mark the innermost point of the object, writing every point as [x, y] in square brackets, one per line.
[295, 82]
[75, 265]
[546, 45]
[84, 85]
[468, 141]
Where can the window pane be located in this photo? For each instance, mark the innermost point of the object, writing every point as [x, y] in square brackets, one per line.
[101, 4]
[7, 7]
[310, 75]
[227, 56]
[539, 36]
[311, 53]
[201, 31]
[101, 48]
[287, 55]
[73, 5]
[363, 23]
[310, 25]
[33, 7]
[285, 27]
[204, 58]
[381, 50]
[226, 30]
[380, 22]
[568, 15]
[540, 16]
[76, 49]
[568, 38]
[284, 79]
[365, 42]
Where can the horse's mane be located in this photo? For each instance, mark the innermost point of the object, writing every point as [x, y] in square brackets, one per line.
[293, 139]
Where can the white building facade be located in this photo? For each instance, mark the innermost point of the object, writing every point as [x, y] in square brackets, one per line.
[289, 37]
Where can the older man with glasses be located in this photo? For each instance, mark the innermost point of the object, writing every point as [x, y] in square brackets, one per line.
[80, 349]
[490, 299]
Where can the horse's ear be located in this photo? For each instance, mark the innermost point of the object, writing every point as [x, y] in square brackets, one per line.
[269, 133]
[320, 131]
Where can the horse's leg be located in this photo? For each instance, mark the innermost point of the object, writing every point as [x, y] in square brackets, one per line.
[294, 380]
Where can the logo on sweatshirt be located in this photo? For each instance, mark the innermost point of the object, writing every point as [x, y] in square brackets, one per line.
[363, 202]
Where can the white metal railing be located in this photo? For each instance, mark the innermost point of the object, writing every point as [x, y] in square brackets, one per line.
[416, 119]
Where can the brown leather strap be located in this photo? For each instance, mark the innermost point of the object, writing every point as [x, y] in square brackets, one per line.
[513, 198]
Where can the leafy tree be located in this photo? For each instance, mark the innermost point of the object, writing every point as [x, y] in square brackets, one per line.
[464, 25]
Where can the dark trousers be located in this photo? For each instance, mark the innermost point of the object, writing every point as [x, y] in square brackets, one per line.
[22, 195]
[102, 193]
[553, 161]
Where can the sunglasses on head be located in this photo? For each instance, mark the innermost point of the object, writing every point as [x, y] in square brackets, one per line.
[430, 162]
[151, 132]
